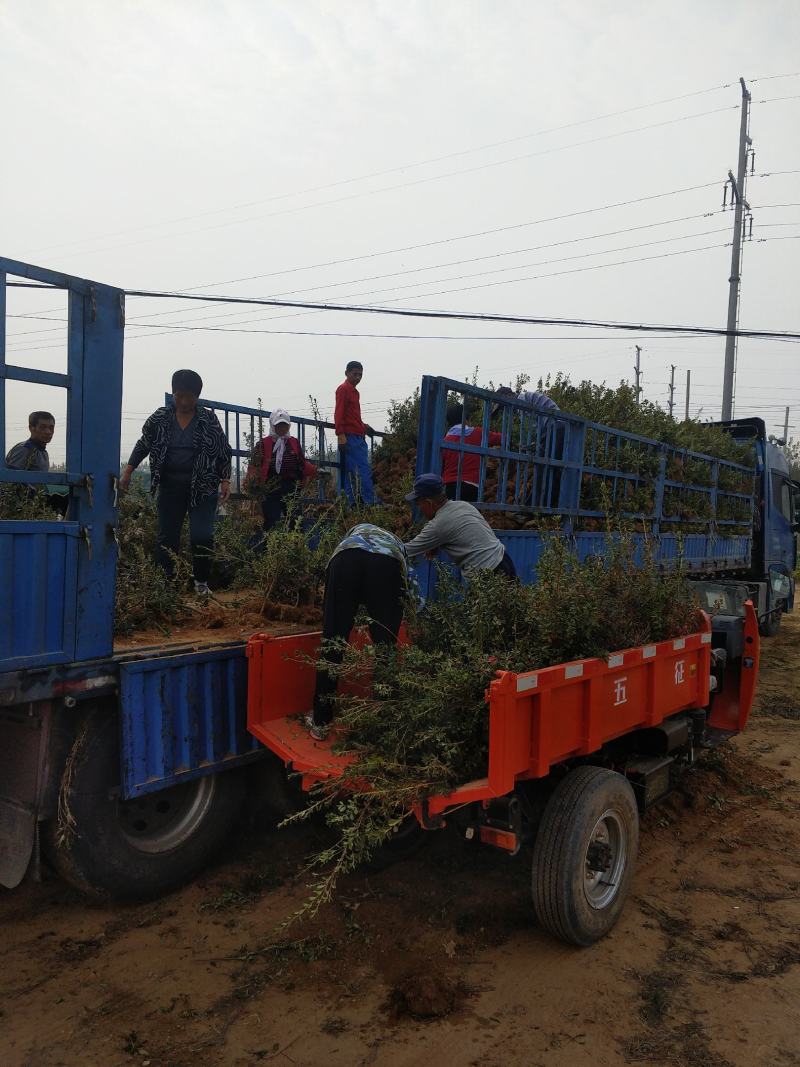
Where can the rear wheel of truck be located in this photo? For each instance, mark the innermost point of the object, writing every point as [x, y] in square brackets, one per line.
[134, 848]
[771, 624]
[585, 854]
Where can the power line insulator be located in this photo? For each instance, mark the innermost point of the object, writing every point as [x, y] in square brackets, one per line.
[725, 195]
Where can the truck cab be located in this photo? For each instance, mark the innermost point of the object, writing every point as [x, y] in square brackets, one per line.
[775, 525]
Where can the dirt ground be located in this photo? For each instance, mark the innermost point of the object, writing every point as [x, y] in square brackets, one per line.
[437, 959]
[223, 618]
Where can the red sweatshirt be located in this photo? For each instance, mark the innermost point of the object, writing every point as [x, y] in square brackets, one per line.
[347, 414]
[470, 462]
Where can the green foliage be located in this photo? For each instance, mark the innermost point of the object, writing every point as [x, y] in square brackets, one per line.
[618, 408]
[24, 502]
[144, 597]
[424, 727]
[791, 451]
[402, 421]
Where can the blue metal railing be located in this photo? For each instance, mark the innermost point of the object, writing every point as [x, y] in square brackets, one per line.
[244, 427]
[557, 464]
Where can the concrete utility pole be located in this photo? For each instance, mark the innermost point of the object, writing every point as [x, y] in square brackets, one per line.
[671, 389]
[734, 281]
[638, 369]
[786, 428]
[688, 387]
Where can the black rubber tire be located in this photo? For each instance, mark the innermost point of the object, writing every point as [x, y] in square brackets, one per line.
[88, 843]
[771, 624]
[559, 886]
[405, 842]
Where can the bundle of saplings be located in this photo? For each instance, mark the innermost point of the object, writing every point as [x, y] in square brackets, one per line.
[424, 727]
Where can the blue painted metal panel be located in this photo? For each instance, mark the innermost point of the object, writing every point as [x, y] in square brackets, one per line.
[38, 377]
[183, 716]
[37, 606]
[95, 367]
[60, 576]
[526, 547]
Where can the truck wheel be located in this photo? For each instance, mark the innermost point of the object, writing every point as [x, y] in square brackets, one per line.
[585, 854]
[771, 624]
[407, 839]
[134, 848]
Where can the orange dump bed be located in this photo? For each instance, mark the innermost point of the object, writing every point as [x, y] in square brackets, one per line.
[536, 719]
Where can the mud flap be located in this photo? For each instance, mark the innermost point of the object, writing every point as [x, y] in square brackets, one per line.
[24, 761]
[17, 833]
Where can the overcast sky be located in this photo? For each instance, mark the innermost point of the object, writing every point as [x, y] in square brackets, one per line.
[187, 145]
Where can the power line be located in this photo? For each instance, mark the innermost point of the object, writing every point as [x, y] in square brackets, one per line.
[540, 263]
[414, 182]
[401, 167]
[450, 263]
[464, 316]
[554, 274]
[772, 77]
[166, 328]
[498, 270]
[458, 237]
[461, 237]
[776, 99]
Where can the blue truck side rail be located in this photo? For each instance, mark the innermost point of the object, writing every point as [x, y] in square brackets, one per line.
[58, 577]
[564, 466]
[245, 426]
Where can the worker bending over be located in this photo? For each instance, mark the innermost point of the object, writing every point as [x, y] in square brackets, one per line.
[368, 567]
[458, 528]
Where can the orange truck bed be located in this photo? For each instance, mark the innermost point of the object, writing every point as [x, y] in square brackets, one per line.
[537, 719]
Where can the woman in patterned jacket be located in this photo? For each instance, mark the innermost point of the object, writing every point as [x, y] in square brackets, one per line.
[190, 466]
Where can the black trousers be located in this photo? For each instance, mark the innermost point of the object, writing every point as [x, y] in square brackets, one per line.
[506, 567]
[468, 491]
[173, 506]
[357, 578]
[275, 504]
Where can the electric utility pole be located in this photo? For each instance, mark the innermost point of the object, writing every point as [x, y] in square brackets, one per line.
[737, 188]
[786, 428]
[688, 387]
[671, 389]
[638, 369]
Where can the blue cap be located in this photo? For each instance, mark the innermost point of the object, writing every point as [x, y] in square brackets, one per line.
[427, 485]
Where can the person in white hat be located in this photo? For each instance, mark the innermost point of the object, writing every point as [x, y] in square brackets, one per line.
[277, 468]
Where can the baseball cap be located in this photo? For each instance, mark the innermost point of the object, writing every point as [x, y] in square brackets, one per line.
[427, 485]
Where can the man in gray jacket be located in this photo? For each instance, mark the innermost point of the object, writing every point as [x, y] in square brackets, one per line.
[457, 528]
[31, 455]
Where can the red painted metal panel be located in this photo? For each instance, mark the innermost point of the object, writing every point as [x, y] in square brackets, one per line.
[536, 720]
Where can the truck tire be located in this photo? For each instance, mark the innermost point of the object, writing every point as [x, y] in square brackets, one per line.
[138, 848]
[771, 624]
[407, 839]
[584, 855]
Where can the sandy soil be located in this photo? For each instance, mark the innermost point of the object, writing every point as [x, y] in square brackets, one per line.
[437, 959]
[223, 618]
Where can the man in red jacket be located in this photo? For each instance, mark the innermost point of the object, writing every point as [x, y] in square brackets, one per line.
[460, 431]
[350, 430]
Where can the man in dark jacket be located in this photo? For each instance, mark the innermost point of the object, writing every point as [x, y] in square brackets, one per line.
[31, 455]
[190, 466]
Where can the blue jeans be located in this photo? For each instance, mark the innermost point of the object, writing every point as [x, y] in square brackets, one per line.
[173, 505]
[356, 473]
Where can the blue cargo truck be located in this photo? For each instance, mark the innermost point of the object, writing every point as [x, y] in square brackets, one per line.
[130, 768]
